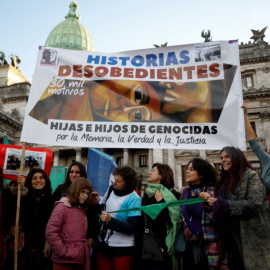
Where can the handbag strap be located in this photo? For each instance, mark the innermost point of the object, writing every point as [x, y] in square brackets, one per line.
[147, 222]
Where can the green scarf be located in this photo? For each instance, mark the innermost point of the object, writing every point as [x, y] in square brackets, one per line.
[153, 210]
[174, 213]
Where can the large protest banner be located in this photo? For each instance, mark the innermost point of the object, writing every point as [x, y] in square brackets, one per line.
[185, 97]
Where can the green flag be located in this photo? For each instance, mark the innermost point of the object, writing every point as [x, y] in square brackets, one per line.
[57, 176]
[5, 140]
[153, 210]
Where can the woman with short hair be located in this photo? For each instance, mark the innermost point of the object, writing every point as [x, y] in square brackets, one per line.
[116, 243]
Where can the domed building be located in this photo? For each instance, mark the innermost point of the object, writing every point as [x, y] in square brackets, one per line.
[70, 34]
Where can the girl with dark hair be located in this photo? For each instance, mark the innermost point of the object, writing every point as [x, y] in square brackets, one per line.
[66, 231]
[159, 190]
[75, 170]
[240, 211]
[203, 245]
[116, 245]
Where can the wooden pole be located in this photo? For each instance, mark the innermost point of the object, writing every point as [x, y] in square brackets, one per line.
[18, 210]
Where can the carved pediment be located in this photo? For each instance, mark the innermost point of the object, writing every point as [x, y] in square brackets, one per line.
[186, 152]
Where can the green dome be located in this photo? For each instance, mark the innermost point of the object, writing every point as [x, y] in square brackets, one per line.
[70, 34]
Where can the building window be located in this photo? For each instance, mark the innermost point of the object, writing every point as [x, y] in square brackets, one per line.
[253, 127]
[256, 165]
[142, 160]
[249, 81]
[119, 161]
[184, 168]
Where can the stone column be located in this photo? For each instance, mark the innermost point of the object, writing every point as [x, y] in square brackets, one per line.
[125, 156]
[178, 176]
[171, 160]
[202, 154]
[78, 154]
[56, 158]
[157, 155]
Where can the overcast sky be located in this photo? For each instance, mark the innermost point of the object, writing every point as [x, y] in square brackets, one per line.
[122, 25]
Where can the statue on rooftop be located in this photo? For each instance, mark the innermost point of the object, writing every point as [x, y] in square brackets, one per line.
[3, 61]
[162, 45]
[15, 60]
[206, 34]
[258, 35]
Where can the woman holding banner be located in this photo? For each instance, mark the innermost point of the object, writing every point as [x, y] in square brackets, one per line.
[240, 211]
[159, 190]
[38, 208]
[263, 157]
[203, 245]
[116, 244]
[35, 210]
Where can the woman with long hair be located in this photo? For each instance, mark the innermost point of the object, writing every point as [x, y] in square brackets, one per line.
[203, 245]
[36, 208]
[240, 211]
[75, 170]
[161, 189]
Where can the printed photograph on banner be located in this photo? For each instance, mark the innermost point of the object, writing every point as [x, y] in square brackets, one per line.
[134, 101]
[49, 57]
[13, 161]
[207, 52]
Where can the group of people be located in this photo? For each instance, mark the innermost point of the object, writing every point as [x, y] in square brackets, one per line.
[73, 228]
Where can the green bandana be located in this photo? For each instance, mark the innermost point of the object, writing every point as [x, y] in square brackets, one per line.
[174, 212]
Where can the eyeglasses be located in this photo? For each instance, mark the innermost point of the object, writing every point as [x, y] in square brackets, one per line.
[86, 193]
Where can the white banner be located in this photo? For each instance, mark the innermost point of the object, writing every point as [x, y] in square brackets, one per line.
[181, 97]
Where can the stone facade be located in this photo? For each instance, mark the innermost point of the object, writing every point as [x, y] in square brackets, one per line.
[14, 92]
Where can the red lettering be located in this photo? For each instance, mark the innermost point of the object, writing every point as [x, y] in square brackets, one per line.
[64, 71]
[88, 71]
[141, 73]
[175, 73]
[214, 68]
[116, 72]
[162, 74]
[189, 71]
[202, 71]
[101, 71]
[152, 73]
[128, 72]
[77, 71]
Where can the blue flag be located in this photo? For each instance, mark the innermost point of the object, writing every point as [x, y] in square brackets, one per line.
[99, 170]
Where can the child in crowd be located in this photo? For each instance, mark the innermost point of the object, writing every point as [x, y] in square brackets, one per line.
[66, 231]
